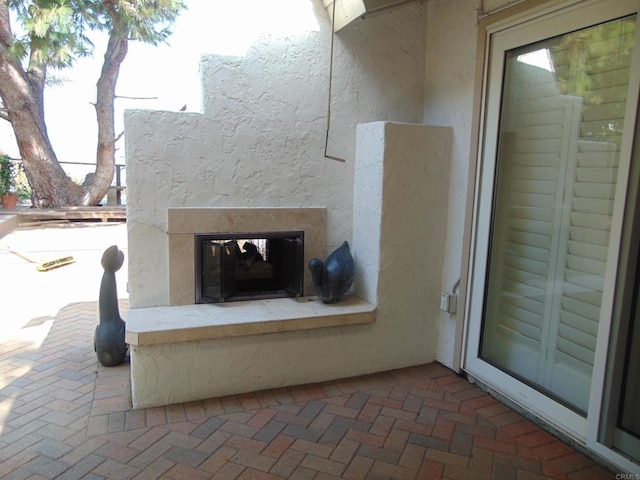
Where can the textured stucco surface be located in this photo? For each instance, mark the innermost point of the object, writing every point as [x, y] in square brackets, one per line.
[259, 142]
[260, 139]
[449, 89]
[400, 215]
[398, 238]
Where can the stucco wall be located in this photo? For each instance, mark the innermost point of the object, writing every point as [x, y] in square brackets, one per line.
[260, 139]
[449, 91]
[399, 229]
[400, 207]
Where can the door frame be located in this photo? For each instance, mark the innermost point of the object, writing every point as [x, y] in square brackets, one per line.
[525, 18]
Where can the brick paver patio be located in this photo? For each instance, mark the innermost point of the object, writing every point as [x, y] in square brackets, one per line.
[62, 415]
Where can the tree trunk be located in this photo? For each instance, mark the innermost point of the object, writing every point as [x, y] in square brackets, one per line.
[99, 183]
[23, 97]
[22, 88]
[51, 185]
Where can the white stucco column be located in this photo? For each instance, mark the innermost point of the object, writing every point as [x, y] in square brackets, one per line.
[399, 230]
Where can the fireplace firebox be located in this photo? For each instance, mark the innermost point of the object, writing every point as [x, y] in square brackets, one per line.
[246, 266]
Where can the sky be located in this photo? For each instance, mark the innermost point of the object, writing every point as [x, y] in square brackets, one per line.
[166, 74]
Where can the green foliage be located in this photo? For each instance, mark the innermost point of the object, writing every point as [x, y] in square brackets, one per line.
[22, 187]
[583, 56]
[584, 61]
[13, 178]
[38, 36]
[148, 21]
[51, 33]
[54, 32]
[7, 175]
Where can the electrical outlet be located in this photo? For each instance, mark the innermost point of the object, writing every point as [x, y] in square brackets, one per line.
[444, 302]
[448, 302]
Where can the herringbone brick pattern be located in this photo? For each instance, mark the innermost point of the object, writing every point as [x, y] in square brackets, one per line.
[62, 415]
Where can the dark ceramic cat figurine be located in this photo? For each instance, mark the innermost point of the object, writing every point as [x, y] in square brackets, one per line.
[333, 278]
[109, 341]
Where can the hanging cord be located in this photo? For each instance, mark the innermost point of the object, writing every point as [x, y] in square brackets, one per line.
[333, 34]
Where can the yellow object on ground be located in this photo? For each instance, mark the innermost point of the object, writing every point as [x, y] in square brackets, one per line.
[58, 262]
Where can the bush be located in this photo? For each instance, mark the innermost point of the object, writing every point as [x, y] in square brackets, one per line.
[13, 178]
[7, 175]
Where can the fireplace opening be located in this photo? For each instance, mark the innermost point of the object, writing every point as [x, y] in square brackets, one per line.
[245, 266]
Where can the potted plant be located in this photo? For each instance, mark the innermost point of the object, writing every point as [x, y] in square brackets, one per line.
[8, 195]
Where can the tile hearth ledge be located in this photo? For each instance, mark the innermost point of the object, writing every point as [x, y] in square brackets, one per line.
[189, 323]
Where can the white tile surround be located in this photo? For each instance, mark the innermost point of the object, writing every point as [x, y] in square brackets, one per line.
[191, 323]
[183, 223]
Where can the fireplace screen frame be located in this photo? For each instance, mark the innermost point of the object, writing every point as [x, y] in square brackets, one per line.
[220, 264]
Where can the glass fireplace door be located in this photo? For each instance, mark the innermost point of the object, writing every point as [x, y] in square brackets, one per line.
[217, 269]
[249, 266]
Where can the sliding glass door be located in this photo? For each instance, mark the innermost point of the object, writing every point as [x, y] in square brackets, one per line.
[560, 112]
[626, 433]
[563, 106]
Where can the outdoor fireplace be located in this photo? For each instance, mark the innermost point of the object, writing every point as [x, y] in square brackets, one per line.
[184, 225]
[245, 266]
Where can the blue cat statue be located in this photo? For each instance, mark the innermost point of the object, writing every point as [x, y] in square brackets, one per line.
[333, 277]
[108, 340]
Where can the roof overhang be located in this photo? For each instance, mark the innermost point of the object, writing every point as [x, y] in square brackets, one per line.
[347, 11]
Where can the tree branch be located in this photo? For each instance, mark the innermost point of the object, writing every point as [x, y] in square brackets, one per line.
[6, 36]
[136, 98]
[36, 71]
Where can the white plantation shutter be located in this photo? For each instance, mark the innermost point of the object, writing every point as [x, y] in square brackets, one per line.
[589, 221]
[524, 255]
